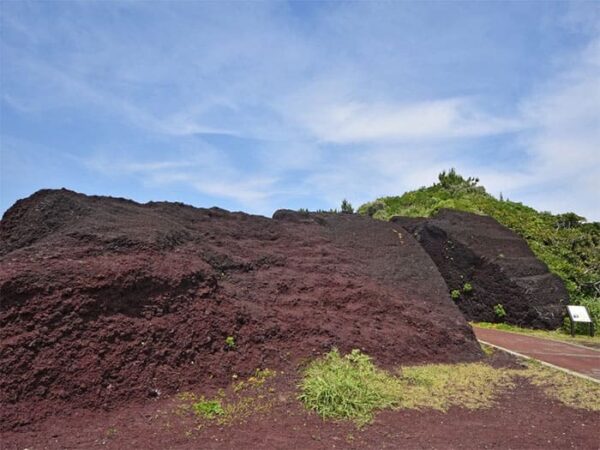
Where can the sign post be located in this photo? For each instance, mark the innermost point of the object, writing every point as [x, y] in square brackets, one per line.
[578, 313]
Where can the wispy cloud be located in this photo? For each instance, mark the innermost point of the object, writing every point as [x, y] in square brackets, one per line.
[354, 122]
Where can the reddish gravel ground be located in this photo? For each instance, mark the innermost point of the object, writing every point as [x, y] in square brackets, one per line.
[523, 418]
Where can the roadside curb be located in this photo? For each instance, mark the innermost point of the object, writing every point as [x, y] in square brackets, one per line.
[520, 355]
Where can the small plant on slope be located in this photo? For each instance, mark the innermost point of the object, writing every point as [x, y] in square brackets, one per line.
[467, 288]
[499, 311]
[455, 294]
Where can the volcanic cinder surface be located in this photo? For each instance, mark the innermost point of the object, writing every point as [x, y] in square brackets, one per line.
[496, 262]
[105, 301]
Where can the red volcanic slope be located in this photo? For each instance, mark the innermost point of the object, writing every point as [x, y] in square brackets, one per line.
[106, 300]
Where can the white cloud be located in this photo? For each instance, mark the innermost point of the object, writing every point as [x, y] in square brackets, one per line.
[564, 139]
[353, 122]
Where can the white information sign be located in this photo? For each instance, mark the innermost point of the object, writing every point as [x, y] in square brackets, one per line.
[579, 313]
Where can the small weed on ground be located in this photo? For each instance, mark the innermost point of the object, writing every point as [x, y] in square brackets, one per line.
[240, 401]
[230, 342]
[208, 409]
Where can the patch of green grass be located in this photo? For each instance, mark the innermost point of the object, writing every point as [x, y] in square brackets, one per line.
[208, 409]
[467, 288]
[440, 386]
[455, 294]
[348, 387]
[559, 335]
[351, 387]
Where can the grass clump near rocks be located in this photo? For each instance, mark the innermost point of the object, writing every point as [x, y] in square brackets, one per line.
[348, 387]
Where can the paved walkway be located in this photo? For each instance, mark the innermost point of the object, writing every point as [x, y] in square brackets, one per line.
[572, 357]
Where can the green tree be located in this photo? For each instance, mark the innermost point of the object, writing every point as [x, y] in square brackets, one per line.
[346, 207]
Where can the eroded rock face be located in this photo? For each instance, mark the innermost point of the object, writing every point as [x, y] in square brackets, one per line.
[496, 262]
[105, 300]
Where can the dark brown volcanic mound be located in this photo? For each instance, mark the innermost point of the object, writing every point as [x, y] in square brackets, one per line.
[469, 248]
[106, 301]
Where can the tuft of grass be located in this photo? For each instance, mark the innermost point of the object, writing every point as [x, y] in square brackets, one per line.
[348, 387]
[467, 288]
[559, 335]
[208, 409]
[440, 386]
[572, 391]
[455, 294]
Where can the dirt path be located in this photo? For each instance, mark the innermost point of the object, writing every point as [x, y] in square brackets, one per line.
[568, 356]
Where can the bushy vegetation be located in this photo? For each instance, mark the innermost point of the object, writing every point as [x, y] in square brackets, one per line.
[346, 207]
[565, 242]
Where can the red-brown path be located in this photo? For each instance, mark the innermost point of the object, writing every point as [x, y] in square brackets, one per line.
[572, 357]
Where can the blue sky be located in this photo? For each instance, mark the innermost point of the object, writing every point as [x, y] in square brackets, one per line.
[257, 106]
